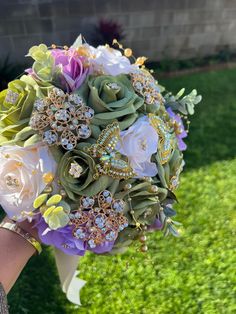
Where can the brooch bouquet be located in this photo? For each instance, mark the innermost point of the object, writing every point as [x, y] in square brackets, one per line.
[91, 149]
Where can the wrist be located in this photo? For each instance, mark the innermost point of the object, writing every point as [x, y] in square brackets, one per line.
[25, 230]
[26, 226]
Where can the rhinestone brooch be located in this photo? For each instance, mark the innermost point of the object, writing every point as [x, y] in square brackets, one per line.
[99, 219]
[62, 119]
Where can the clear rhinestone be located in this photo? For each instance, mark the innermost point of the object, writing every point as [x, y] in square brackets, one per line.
[76, 99]
[118, 206]
[50, 137]
[106, 193]
[11, 97]
[111, 236]
[114, 86]
[80, 234]
[100, 221]
[91, 243]
[84, 131]
[69, 146]
[138, 86]
[62, 115]
[77, 215]
[39, 105]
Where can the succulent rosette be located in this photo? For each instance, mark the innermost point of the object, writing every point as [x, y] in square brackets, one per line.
[96, 148]
[16, 105]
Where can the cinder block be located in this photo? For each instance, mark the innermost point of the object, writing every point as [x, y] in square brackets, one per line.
[108, 6]
[7, 48]
[12, 27]
[81, 7]
[38, 26]
[21, 45]
[142, 19]
[10, 11]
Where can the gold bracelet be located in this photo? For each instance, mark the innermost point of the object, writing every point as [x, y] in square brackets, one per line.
[26, 235]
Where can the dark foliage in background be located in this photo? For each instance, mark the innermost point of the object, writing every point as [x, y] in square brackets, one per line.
[106, 31]
[167, 65]
[9, 71]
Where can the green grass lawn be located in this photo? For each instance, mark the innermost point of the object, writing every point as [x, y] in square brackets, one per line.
[193, 274]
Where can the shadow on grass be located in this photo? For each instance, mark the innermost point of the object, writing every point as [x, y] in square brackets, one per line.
[213, 127]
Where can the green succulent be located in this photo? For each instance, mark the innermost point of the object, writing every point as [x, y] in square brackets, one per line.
[16, 105]
[43, 66]
[54, 211]
[184, 105]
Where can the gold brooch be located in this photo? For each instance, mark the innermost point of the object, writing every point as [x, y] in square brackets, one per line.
[166, 142]
[110, 161]
[62, 119]
[99, 219]
[146, 86]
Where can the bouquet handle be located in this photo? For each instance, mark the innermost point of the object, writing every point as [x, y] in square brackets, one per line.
[67, 269]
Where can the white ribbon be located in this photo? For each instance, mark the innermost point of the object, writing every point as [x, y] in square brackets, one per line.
[67, 269]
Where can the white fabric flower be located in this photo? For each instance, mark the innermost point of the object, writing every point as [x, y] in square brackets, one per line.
[22, 179]
[109, 61]
[139, 143]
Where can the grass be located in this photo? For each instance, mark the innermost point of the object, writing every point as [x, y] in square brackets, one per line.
[194, 274]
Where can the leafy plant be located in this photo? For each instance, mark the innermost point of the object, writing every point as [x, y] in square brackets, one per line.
[106, 31]
[8, 72]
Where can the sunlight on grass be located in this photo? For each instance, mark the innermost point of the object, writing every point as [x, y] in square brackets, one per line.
[194, 274]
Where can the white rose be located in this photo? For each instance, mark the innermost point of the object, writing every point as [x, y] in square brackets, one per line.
[109, 61]
[24, 172]
[139, 143]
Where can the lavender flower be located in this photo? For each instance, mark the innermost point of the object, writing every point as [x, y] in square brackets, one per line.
[64, 240]
[72, 66]
[179, 129]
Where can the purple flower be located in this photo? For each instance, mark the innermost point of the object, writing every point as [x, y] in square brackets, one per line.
[64, 240]
[157, 225]
[72, 66]
[179, 128]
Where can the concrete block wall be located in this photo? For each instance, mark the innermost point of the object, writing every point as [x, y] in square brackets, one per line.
[155, 28]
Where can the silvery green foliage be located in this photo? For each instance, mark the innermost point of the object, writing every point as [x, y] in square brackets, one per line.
[184, 105]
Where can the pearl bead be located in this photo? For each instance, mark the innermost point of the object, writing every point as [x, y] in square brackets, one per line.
[128, 186]
[143, 238]
[63, 193]
[144, 248]
[154, 188]
[48, 189]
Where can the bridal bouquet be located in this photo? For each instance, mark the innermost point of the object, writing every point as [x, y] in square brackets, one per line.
[91, 148]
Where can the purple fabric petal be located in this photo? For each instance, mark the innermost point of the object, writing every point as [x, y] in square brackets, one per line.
[72, 67]
[179, 135]
[103, 248]
[63, 236]
[157, 225]
[59, 238]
